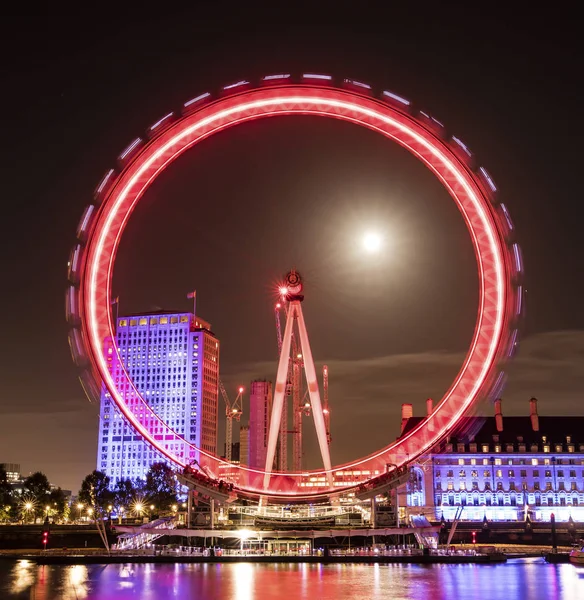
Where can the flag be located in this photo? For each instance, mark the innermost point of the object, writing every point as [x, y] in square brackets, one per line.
[116, 300]
[192, 295]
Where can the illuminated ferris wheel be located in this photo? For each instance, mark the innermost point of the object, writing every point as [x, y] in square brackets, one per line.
[491, 230]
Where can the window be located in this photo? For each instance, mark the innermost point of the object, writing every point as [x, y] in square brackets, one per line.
[523, 473]
[572, 473]
[133, 322]
[558, 448]
[462, 485]
[486, 474]
[511, 473]
[485, 461]
[499, 473]
[153, 321]
[460, 448]
[560, 473]
[164, 321]
[497, 447]
[123, 323]
[485, 447]
[536, 485]
[143, 322]
[450, 474]
[460, 460]
[536, 472]
[473, 461]
[497, 461]
[534, 462]
[462, 473]
[474, 474]
[512, 486]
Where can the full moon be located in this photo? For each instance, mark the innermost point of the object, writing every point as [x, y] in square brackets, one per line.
[372, 242]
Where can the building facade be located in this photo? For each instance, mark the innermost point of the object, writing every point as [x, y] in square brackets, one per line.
[12, 471]
[504, 468]
[173, 360]
[244, 444]
[260, 410]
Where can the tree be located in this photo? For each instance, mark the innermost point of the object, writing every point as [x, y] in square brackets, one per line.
[95, 492]
[58, 503]
[7, 503]
[124, 492]
[161, 486]
[37, 486]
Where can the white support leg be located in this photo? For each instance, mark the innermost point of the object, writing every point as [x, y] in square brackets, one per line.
[279, 394]
[317, 413]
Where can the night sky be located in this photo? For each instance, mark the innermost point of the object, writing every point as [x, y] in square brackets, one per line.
[231, 216]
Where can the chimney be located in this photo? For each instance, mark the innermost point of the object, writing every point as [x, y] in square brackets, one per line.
[533, 414]
[407, 412]
[429, 407]
[498, 415]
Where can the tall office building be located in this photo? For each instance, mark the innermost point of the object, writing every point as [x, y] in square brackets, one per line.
[173, 360]
[260, 409]
[244, 444]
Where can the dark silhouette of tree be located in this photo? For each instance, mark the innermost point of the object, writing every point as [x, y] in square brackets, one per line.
[58, 503]
[7, 502]
[161, 486]
[124, 493]
[95, 492]
[38, 487]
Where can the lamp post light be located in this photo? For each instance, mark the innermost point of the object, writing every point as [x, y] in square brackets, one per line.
[120, 514]
[28, 507]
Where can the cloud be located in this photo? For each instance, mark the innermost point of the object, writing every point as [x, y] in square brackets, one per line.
[366, 394]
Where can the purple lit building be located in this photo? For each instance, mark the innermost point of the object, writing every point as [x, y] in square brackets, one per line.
[504, 468]
[173, 360]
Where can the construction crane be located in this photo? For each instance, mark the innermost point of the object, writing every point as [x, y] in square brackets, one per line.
[325, 404]
[233, 410]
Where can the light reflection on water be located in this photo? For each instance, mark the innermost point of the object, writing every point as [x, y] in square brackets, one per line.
[531, 579]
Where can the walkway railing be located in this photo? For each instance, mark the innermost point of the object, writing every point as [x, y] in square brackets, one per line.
[135, 539]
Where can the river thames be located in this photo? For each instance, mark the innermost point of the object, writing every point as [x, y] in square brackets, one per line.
[521, 579]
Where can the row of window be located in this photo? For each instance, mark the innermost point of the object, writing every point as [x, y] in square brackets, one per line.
[510, 473]
[509, 461]
[561, 486]
[153, 321]
[497, 448]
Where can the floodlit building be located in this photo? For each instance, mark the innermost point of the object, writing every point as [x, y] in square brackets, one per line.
[504, 468]
[173, 360]
[12, 471]
[260, 409]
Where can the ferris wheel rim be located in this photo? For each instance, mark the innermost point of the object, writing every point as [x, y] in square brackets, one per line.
[285, 100]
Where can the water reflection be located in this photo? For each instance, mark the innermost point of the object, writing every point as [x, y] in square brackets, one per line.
[516, 580]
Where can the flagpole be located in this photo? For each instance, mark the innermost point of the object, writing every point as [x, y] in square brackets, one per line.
[193, 295]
